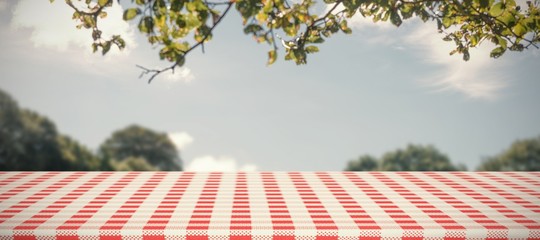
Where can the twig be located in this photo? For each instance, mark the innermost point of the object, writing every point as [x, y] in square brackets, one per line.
[155, 72]
[323, 18]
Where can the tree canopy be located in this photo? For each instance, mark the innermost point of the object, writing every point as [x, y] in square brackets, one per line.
[135, 143]
[522, 155]
[412, 158]
[180, 26]
[363, 163]
[31, 142]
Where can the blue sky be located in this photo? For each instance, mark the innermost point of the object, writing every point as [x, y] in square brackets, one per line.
[367, 93]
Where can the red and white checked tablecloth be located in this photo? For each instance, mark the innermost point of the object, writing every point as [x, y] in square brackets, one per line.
[267, 205]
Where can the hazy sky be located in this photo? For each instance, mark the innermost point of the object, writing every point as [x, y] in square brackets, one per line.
[367, 93]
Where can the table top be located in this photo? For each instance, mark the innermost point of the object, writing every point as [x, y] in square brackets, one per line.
[268, 205]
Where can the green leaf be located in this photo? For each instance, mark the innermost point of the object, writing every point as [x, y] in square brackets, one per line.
[299, 56]
[272, 56]
[510, 3]
[496, 9]
[176, 5]
[344, 27]
[395, 19]
[508, 19]
[516, 47]
[120, 43]
[106, 46]
[248, 8]
[312, 49]
[497, 52]
[466, 55]
[146, 25]
[180, 60]
[192, 21]
[88, 21]
[474, 40]
[181, 21]
[519, 30]
[484, 3]
[252, 28]
[139, 2]
[76, 15]
[190, 6]
[315, 37]
[447, 22]
[102, 3]
[501, 41]
[131, 13]
[289, 56]
[203, 32]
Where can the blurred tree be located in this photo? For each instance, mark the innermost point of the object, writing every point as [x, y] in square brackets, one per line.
[417, 158]
[413, 158]
[30, 142]
[523, 155]
[78, 157]
[139, 142]
[363, 163]
[178, 27]
[133, 164]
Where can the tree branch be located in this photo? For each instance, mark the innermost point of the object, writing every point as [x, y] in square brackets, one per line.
[155, 72]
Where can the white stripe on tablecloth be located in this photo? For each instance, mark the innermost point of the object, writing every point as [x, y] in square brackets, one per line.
[220, 219]
[346, 225]
[258, 207]
[93, 225]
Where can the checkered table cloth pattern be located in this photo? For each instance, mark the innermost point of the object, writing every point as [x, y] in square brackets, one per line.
[269, 205]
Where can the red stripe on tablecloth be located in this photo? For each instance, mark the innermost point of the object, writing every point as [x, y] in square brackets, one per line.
[525, 176]
[459, 205]
[21, 187]
[117, 221]
[164, 211]
[13, 178]
[29, 201]
[69, 227]
[387, 205]
[351, 206]
[514, 184]
[198, 225]
[453, 229]
[510, 213]
[282, 224]
[498, 205]
[494, 229]
[240, 224]
[326, 227]
[45, 214]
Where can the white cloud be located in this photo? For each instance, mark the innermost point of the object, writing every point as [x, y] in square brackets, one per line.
[182, 74]
[217, 164]
[52, 25]
[360, 22]
[208, 163]
[181, 139]
[477, 78]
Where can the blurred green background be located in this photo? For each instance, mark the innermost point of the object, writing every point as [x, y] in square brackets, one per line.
[30, 141]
